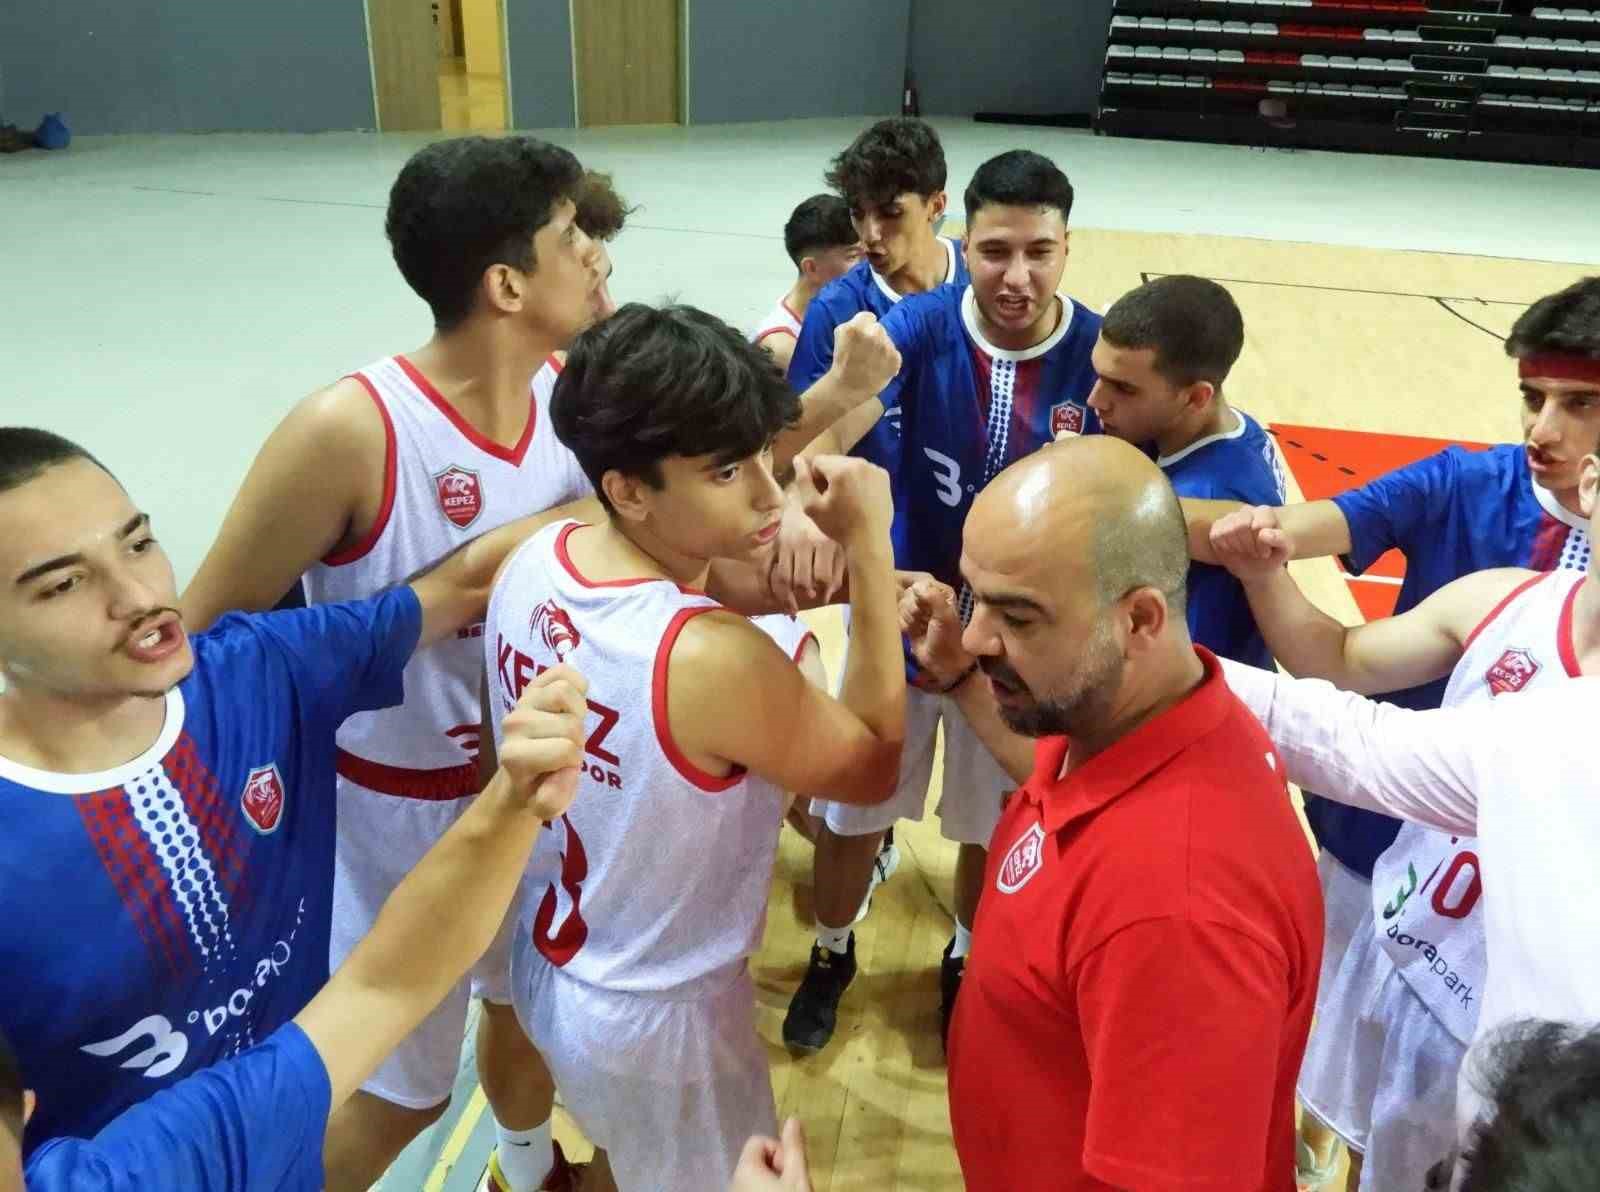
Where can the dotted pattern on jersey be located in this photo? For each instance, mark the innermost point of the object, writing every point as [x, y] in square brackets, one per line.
[1575, 552]
[1002, 391]
[159, 811]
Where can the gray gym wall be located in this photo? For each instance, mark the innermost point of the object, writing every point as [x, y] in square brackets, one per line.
[187, 65]
[539, 54]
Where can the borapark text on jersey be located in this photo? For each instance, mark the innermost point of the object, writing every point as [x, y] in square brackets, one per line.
[1450, 514]
[178, 906]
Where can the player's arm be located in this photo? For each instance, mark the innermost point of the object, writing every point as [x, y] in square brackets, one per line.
[1390, 654]
[733, 697]
[1315, 529]
[406, 964]
[865, 359]
[780, 346]
[843, 435]
[454, 593]
[318, 474]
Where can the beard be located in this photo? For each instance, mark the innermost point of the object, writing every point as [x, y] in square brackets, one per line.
[1082, 700]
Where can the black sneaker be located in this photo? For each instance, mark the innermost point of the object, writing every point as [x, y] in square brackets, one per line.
[808, 1025]
[949, 985]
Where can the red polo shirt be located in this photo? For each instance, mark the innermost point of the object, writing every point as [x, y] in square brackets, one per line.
[1143, 969]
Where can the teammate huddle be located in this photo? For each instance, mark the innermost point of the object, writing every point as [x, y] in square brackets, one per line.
[554, 556]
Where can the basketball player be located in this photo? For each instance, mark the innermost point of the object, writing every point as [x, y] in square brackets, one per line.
[1403, 1003]
[166, 805]
[257, 1120]
[992, 370]
[1451, 514]
[629, 974]
[371, 479]
[822, 241]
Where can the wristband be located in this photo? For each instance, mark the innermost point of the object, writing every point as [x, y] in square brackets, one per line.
[957, 681]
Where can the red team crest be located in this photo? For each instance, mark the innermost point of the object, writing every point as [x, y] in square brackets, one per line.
[552, 625]
[1024, 860]
[262, 800]
[460, 496]
[1066, 418]
[1512, 672]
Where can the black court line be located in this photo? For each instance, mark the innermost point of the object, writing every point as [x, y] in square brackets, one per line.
[1494, 335]
[1300, 285]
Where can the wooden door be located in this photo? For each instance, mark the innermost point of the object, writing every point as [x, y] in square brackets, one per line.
[627, 61]
[405, 64]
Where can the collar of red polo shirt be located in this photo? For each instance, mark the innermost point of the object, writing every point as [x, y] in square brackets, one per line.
[1128, 762]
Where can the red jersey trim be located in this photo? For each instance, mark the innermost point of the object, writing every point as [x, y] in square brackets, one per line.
[390, 466]
[432, 786]
[511, 455]
[710, 783]
[565, 559]
[805, 641]
[1564, 647]
[554, 362]
[793, 313]
[1501, 607]
[777, 331]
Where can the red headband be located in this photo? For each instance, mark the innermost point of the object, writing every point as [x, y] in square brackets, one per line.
[1560, 366]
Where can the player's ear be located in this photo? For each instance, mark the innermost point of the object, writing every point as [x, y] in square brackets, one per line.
[502, 288]
[1589, 484]
[808, 269]
[627, 495]
[937, 202]
[1198, 395]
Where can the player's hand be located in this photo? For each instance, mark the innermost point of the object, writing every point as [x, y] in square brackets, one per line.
[929, 619]
[542, 746]
[779, 1166]
[806, 564]
[847, 498]
[864, 357]
[1251, 543]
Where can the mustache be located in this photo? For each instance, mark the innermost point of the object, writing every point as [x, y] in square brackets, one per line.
[995, 668]
[145, 618]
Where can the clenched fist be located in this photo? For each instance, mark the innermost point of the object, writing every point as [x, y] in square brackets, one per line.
[1251, 543]
[542, 746]
[930, 622]
[864, 357]
[848, 499]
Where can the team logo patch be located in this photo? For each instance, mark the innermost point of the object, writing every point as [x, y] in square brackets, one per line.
[553, 626]
[1513, 672]
[460, 496]
[1024, 860]
[1066, 419]
[262, 800]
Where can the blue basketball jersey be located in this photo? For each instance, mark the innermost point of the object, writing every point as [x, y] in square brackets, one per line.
[1450, 514]
[967, 410]
[254, 1121]
[1238, 465]
[840, 301]
[174, 911]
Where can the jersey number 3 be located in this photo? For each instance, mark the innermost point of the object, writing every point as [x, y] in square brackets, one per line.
[559, 948]
[946, 477]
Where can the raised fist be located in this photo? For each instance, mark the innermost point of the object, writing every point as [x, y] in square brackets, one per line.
[1250, 542]
[864, 357]
[542, 741]
[929, 619]
[847, 498]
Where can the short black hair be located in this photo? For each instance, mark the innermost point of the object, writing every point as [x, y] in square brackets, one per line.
[27, 452]
[651, 383]
[11, 1089]
[462, 205]
[820, 222]
[894, 157]
[1019, 178]
[1541, 1131]
[602, 212]
[1192, 323]
[1567, 322]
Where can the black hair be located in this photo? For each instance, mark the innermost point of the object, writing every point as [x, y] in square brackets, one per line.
[26, 452]
[601, 210]
[894, 157]
[11, 1089]
[462, 205]
[651, 383]
[1541, 1132]
[1192, 323]
[1019, 178]
[1567, 322]
[820, 222]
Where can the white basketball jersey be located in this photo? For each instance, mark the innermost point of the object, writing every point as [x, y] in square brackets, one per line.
[1426, 887]
[780, 320]
[444, 484]
[656, 880]
[544, 384]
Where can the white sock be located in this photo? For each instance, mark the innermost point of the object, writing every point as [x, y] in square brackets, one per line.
[526, 1156]
[835, 939]
[963, 943]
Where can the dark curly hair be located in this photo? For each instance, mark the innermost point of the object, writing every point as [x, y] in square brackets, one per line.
[462, 205]
[1541, 1132]
[601, 210]
[820, 222]
[893, 157]
[652, 383]
[1566, 322]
